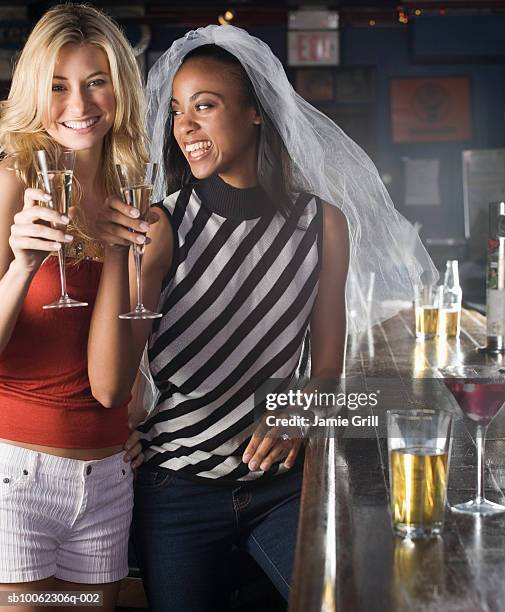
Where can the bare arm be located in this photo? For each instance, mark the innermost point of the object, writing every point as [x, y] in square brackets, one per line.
[328, 330]
[136, 410]
[115, 346]
[24, 244]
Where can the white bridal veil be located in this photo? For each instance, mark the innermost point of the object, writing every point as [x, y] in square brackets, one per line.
[387, 256]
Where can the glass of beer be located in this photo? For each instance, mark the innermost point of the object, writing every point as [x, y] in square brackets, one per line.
[427, 307]
[137, 188]
[55, 176]
[419, 448]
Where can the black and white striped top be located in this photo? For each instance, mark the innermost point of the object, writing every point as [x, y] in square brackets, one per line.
[236, 307]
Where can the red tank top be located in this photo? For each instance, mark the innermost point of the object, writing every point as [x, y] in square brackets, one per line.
[45, 396]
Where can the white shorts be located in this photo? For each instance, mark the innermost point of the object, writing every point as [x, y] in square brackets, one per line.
[63, 517]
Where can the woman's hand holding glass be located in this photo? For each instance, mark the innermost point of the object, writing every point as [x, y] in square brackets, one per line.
[37, 231]
[118, 225]
[137, 189]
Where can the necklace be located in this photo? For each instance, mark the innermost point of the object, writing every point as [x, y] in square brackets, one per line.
[83, 247]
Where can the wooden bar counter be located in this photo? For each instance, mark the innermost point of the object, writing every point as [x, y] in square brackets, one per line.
[347, 558]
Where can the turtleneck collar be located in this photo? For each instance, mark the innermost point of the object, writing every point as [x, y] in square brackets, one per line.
[228, 201]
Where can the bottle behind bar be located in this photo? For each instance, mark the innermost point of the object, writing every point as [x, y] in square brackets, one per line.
[449, 317]
[495, 302]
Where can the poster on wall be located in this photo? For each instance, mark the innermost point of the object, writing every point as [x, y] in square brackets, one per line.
[422, 182]
[430, 110]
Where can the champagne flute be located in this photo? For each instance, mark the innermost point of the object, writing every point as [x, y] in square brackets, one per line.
[480, 393]
[55, 175]
[137, 189]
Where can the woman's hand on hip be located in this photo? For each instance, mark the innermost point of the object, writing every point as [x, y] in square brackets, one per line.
[133, 449]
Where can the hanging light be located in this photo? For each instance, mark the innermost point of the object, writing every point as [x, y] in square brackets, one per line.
[226, 18]
[403, 16]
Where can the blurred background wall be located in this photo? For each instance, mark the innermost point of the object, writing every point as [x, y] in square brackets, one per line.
[419, 85]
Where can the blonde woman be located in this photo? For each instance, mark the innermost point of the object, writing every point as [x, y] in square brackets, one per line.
[65, 484]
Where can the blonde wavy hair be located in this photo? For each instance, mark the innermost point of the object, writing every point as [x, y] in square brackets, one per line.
[26, 113]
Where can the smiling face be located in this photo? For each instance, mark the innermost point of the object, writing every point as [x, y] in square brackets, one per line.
[83, 103]
[213, 123]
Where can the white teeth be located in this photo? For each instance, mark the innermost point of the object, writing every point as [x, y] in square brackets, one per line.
[80, 125]
[203, 144]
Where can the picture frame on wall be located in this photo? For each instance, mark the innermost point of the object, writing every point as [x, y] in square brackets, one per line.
[433, 109]
[315, 84]
[355, 84]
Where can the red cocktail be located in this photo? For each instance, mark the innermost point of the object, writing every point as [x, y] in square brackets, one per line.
[480, 393]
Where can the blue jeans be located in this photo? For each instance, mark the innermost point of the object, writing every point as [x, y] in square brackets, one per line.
[184, 532]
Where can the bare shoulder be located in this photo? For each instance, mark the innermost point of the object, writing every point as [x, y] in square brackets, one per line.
[335, 237]
[334, 220]
[11, 190]
[11, 202]
[161, 232]
[160, 250]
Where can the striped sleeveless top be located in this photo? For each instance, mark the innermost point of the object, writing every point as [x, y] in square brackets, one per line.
[236, 306]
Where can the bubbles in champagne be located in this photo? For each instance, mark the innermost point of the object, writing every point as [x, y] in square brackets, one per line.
[139, 196]
[60, 189]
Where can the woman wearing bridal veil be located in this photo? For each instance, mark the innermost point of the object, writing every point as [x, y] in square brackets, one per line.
[271, 207]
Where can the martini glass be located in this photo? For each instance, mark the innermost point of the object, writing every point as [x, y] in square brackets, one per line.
[480, 393]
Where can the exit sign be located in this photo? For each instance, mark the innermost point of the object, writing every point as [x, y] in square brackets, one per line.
[313, 48]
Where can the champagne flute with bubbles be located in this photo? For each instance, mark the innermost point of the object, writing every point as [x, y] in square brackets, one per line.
[137, 189]
[55, 175]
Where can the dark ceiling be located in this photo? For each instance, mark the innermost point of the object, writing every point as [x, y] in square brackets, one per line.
[274, 11]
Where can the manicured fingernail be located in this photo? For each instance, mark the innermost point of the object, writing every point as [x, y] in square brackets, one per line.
[144, 226]
[65, 219]
[253, 466]
[68, 237]
[134, 212]
[246, 458]
[57, 246]
[287, 465]
[264, 466]
[141, 239]
[47, 197]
